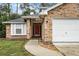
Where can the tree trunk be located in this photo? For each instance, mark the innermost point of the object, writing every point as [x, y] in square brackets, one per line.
[17, 8]
[8, 12]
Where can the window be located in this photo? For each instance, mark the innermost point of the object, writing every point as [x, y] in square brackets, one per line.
[18, 29]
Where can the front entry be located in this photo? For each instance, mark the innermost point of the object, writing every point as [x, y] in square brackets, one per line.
[36, 29]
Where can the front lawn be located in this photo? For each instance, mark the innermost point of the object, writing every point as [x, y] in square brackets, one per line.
[13, 48]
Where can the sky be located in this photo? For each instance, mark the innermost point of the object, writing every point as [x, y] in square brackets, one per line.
[13, 8]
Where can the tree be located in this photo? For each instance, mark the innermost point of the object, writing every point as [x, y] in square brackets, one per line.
[4, 15]
[24, 6]
[9, 10]
[26, 12]
[5, 10]
[17, 8]
[14, 16]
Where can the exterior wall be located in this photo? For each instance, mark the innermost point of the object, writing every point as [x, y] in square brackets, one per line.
[18, 36]
[29, 29]
[29, 25]
[8, 33]
[70, 10]
[43, 29]
[46, 31]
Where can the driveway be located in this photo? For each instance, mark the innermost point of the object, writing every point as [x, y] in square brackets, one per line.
[69, 50]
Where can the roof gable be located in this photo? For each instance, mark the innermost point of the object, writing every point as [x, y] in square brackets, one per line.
[54, 7]
[46, 11]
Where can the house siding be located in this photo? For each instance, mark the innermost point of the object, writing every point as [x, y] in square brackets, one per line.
[66, 10]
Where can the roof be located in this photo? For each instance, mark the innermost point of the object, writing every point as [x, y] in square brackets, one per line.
[45, 12]
[19, 20]
[30, 16]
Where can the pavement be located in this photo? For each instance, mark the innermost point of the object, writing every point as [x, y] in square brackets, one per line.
[34, 48]
[69, 50]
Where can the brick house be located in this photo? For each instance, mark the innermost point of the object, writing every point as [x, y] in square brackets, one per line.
[59, 23]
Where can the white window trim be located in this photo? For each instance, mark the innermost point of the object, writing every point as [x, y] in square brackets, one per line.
[14, 27]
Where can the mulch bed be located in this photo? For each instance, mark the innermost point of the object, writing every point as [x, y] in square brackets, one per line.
[49, 46]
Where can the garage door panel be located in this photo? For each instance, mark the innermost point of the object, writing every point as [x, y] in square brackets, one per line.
[65, 30]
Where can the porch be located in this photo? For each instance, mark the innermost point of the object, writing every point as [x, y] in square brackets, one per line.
[34, 26]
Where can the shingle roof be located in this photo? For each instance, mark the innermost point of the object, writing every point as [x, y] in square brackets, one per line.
[19, 20]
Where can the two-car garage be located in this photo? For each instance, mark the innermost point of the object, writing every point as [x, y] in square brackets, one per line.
[65, 30]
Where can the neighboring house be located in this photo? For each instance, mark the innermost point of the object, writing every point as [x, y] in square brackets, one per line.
[59, 23]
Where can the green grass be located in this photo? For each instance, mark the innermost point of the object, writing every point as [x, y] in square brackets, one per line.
[13, 48]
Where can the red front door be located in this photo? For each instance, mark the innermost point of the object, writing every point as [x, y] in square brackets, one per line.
[37, 29]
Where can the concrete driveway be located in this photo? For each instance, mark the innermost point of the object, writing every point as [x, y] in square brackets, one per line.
[69, 50]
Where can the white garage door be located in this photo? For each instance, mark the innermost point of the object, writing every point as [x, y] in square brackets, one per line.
[65, 30]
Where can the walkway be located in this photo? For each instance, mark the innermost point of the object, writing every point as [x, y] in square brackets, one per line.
[33, 47]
